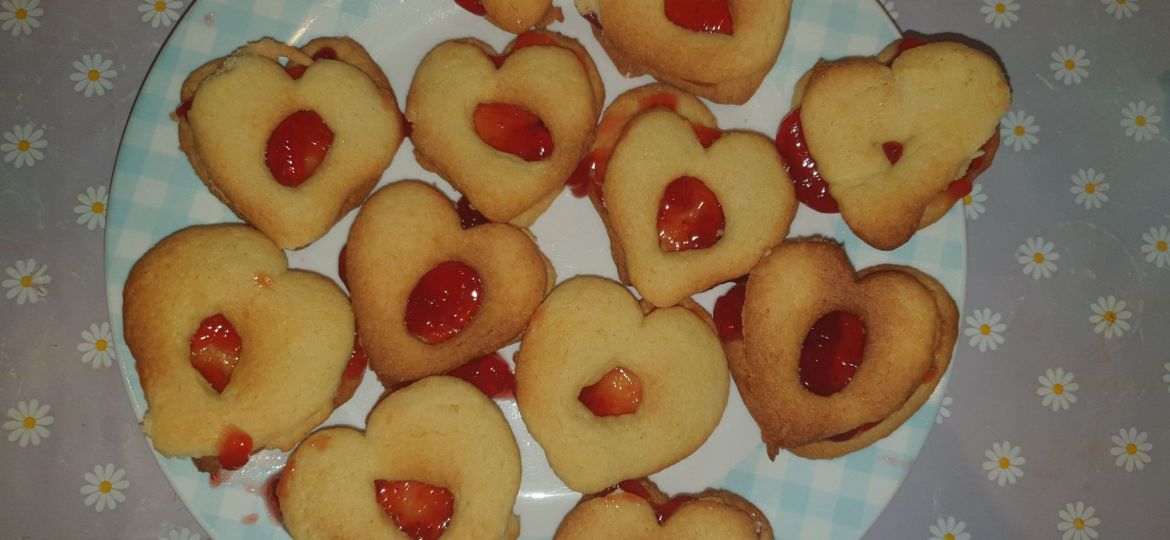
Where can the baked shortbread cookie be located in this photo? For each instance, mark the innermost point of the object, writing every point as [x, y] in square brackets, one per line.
[612, 389]
[827, 360]
[514, 16]
[638, 510]
[720, 51]
[894, 140]
[428, 295]
[290, 149]
[235, 352]
[688, 208]
[437, 458]
[505, 130]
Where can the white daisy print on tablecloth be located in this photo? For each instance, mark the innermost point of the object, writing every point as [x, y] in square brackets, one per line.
[158, 12]
[1156, 246]
[1057, 389]
[949, 529]
[1120, 8]
[182, 534]
[1110, 316]
[20, 16]
[1140, 121]
[92, 210]
[97, 346]
[1036, 255]
[1068, 64]
[944, 410]
[1089, 187]
[1003, 463]
[92, 75]
[27, 282]
[26, 423]
[1131, 449]
[985, 329]
[1077, 522]
[103, 487]
[1000, 13]
[1018, 130]
[22, 147]
[973, 202]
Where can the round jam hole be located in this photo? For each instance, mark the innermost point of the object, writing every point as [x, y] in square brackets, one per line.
[513, 130]
[214, 350]
[420, 510]
[296, 147]
[616, 393]
[831, 353]
[689, 216]
[444, 302]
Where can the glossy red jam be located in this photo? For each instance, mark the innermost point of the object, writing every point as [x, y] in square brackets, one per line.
[468, 216]
[513, 130]
[728, 313]
[296, 147]
[489, 373]
[419, 510]
[661, 511]
[234, 448]
[709, 16]
[215, 350]
[811, 189]
[689, 216]
[351, 378]
[341, 271]
[618, 392]
[444, 302]
[893, 151]
[831, 353]
[474, 6]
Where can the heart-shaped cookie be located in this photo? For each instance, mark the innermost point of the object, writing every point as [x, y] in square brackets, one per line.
[887, 139]
[429, 295]
[589, 347]
[732, 201]
[831, 360]
[293, 333]
[717, 50]
[290, 151]
[638, 510]
[439, 434]
[514, 16]
[507, 130]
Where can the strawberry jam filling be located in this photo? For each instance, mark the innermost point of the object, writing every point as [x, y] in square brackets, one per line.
[709, 16]
[351, 378]
[689, 216]
[341, 272]
[893, 151]
[616, 393]
[296, 147]
[296, 71]
[419, 510]
[444, 302]
[662, 512]
[468, 215]
[489, 373]
[728, 313]
[513, 130]
[234, 448]
[474, 6]
[831, 353]
[215, 350]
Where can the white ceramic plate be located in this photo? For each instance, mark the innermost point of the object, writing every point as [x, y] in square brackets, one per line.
[155, 192]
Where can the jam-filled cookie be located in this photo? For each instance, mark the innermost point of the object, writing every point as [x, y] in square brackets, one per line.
[717, 49]
[514, 16]
[437, 459]
[612, 389]
[429, 295]
[290, 148]
[506, 129]
[235, 352]
[893, 141]
[686, 206]
[638, 510]
[829, 360]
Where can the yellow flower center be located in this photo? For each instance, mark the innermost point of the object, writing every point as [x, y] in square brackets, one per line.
[97, 207]
[160, 6]
[1000, 8]
[1019, 131]
[1070, 64]
[1161, 246]
[1039, 258]
[29, 422]
[26, 281]
[1004, 463]
[94, 75]
[1140, 121]
[101, 345]
[23, 145]
[985, 330]
[1079, 523]
[105, 486]
[1058, 389]
[1110, 317]
[21, 14]
[1131, 449]
[1090, 188]
[966, 199]
[949, 536]
[1122, 2]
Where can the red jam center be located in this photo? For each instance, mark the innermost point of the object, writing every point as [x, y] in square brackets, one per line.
[513, 130]
[618, 392]
[341, 272]
[234, 448]
[296, 147]
[468, 215]
[474, 6]
[831, 353]
[420, 510]
[296, 71]
[351, 378]
[489, 373]
[710, 16]
[689, 216]
[728, 313]
[215, 350]
[811, 189]
[893, 151]
[661, 511]
[444, 302]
